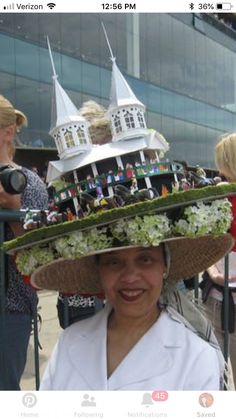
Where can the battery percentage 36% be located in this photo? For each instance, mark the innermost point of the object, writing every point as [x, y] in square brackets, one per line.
[206, 6]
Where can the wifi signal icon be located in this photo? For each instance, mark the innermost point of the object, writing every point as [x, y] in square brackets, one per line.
[51, 5]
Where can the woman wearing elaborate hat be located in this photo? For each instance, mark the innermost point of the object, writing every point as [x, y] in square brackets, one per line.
[148, 335]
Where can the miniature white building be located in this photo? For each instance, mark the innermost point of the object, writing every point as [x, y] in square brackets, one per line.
[125, 111]
[68, 128]
[130, 134]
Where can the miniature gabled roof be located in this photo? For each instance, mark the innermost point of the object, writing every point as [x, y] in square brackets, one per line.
[121, 93]
[63, 109]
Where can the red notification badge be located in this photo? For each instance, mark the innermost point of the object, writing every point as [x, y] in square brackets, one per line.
[160, 396]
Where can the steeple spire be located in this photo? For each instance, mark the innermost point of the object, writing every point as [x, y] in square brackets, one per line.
[68, 128]
[52, 62]
[113, 59]
[125, 111]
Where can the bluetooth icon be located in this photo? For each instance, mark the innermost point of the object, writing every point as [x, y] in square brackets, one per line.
[191, 6]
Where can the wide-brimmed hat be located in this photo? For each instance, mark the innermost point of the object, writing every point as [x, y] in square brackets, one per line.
[10, 115]
[193, 225]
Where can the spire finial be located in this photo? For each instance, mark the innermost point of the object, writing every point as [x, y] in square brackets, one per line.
[113, 59]
[52, 62]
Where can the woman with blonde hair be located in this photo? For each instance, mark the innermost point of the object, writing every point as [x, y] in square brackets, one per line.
[99, 129]
[214, 277]
[225, 156]
[20, 298]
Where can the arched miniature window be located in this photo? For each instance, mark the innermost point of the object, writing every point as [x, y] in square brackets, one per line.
[69, 138]
[141, 120]
[59, 142]
[117, 124]
[129, 120]
[81, 135]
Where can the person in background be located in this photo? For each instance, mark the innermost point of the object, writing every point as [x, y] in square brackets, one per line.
[214, 278]
[213, 298]
[99, 124]
[225, 157]
[21, 298]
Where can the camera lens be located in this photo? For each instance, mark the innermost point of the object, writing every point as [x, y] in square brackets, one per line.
[13, 180]
[17, 181]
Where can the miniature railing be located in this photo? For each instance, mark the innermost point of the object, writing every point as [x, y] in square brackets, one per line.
[114, 178]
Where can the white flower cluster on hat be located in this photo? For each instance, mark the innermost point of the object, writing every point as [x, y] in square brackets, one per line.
[148, 230]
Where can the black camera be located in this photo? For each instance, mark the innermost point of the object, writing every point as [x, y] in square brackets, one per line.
[13, 180]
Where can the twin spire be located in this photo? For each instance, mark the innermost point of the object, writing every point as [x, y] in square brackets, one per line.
[125, 111]
[70, 130]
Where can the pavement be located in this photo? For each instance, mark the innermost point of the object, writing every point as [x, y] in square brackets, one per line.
[48, 335]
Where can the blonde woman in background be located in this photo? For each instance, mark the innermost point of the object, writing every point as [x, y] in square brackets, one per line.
[20, 298]
[213, 286]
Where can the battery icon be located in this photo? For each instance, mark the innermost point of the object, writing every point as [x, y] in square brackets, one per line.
[224, 6]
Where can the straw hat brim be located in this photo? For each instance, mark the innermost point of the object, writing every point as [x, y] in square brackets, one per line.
[188, 256]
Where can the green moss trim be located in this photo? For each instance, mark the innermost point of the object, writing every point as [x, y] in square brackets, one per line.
[157, 205]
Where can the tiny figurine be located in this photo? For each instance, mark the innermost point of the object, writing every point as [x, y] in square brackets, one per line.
[134, 186]
[164, 190]
[110, 177]
[129, 171]
[184, 185]
[29, 221]
[90, 182]
[200, 171]
[99, 191]
[120, 174]
[175, 187]
[70, 215]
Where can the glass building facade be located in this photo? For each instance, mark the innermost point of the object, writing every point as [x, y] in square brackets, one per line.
[181, 66]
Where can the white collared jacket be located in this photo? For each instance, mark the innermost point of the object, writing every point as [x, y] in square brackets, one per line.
[168, 357]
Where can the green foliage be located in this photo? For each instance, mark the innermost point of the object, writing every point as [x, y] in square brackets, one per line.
[158, 205]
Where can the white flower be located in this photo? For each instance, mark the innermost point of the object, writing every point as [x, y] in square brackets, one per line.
[214, 218]
[148, 230]
[27, 261]
[80, 243]
[118, 230]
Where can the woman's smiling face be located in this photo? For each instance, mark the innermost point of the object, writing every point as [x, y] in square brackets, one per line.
[132, 279]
